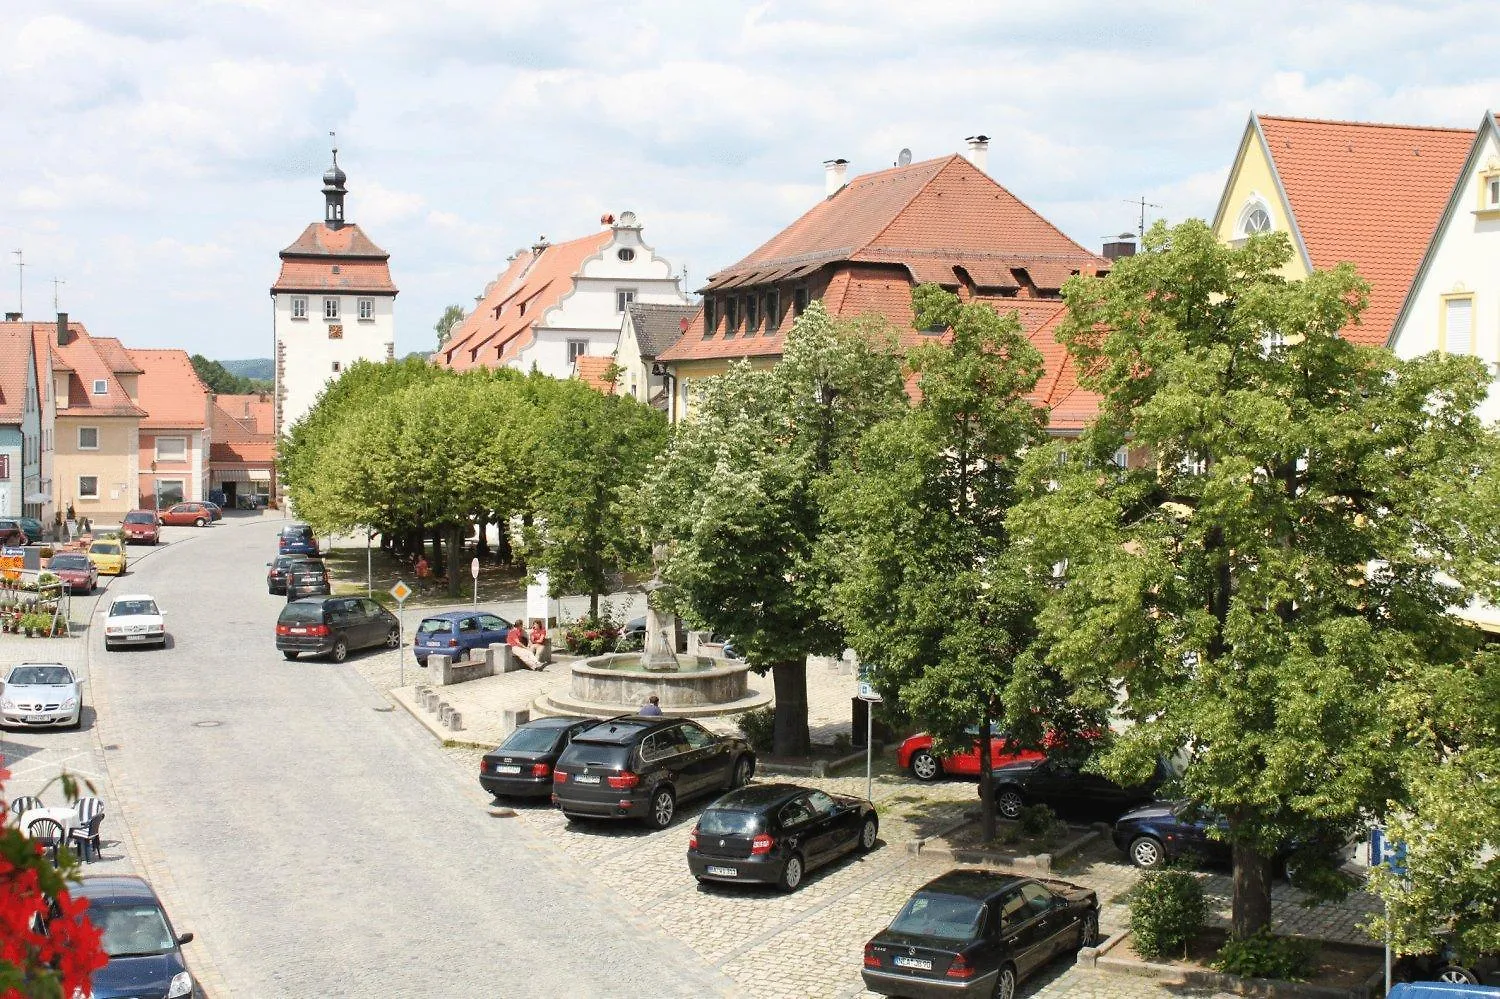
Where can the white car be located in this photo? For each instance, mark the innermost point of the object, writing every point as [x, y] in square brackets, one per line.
[134, 620]
[41, 694]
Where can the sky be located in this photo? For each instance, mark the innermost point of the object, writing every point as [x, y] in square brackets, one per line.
[156, 155]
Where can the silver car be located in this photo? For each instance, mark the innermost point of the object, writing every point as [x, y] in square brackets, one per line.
[37, 695]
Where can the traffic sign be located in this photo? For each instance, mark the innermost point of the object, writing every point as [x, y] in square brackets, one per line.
[400, 592]
[474, 568]
[866, 692]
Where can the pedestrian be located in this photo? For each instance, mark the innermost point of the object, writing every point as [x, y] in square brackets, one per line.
[424, 571]
[652, 706]
[516, 637]
[538, 632]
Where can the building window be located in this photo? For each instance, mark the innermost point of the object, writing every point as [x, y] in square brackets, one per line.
[101, 386]
[171, 448]
[773, 309]
[731, 315]
[88, 487]
[710, 317]
[1489, 191]
[169, 492]
[335, 331]
[576, 349]
[366, 309]
[330, 308]
[751, 315]
[1255, 218]
[626, 254]
[299, 306]
[337, 367]
[1456, 333]
[88, 438]
[5, 465]
[799, 302]
[623, 298]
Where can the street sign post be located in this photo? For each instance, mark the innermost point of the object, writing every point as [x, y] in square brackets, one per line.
[1391, 856]
[400, 592]
[872, 697]
[474, 572]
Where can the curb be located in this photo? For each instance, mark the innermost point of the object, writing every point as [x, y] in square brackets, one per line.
[1043, 863]
[817, 768]
[1270, 988]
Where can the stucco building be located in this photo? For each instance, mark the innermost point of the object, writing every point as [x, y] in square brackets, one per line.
[174, 433]
[96, 463]
[242, 456]
[647, 331]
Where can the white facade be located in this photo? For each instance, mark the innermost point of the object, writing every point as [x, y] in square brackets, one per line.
[312, 350]
[1454, 302]
[587, 319]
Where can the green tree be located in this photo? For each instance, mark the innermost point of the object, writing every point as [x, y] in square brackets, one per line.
[1265, 594]
[220, 380]
[735, 498]
[451, 317]
[928, 588]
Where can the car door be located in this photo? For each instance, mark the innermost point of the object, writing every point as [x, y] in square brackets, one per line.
[795, 819]
[664, 752]
[1191, 825]
[470, 636]
[835, 825]
[709, 759]
[493, 630]
[1019, 932]
[1053, 925]
[375, 619]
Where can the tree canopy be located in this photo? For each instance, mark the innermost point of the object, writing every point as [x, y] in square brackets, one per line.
[451, 317]
[221, 381]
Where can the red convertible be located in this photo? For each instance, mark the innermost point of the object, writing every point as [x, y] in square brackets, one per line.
[916, 754]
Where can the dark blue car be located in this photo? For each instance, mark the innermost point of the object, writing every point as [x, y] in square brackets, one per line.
[457, 634]
[145, 953]
[1165, 831]
[296, 539]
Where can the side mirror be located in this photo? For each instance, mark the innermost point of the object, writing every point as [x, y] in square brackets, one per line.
[184, 938]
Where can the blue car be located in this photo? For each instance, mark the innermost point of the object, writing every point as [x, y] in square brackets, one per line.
[296, 539]
[145, 953]
[1443, 990]
[1164, 832]
[457, 634]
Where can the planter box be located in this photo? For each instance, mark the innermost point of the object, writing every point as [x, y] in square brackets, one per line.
[1115, 956]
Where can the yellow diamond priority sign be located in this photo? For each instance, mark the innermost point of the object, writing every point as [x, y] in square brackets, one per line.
[400, 591]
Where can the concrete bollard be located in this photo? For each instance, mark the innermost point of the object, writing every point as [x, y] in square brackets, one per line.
[512, 719]
[455, 721]
[544, 651]
[444, 711]
[506, 659]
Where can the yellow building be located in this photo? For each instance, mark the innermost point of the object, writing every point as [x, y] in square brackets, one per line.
[96, 463]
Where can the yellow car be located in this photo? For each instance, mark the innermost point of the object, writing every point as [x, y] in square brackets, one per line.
[108, 557]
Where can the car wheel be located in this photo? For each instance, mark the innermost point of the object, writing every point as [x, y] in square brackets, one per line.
[1089, 931]
[77, 722]
[663, 807]
[1009, 804]
[791, 874]
[1453, 973]
[924, 766]
[868, 834]
[1147, 852]
[200, 522]
[289, 654]
[744, 769]
[340, 651]
[1005, 983]
[393, 640]
[109, 646]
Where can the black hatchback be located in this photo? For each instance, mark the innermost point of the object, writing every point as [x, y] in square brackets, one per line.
[333, 626]
[145, 953]
[1061, 782]
[776, 833]
[641, 767]
[522, 764]
[306, 578]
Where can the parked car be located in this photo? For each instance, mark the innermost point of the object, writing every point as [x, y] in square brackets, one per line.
[33, 529]
[276, 572]
[457, 634]
[334, 626]
[306, 577]
[1445, 965]
[1165, 832]
[642, 767]
[215, 510]
[12, 534]
[522, 764]
[134, 620]
[1060, 781]
[978, 933]
[108, 557]
[297, 539]
[141, 525]
[37, 695]
[916, 755]
[144, 951]
[182, 514]
[77, 572]
[1442, 990]
[777, 833]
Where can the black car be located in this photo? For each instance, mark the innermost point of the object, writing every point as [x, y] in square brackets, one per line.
[1164, 832]
[522, 764]
[978, 933]
[276, 572]
[776, 833]
[641, 767]
[145, 953]
[333, 626]
[1061, 782]
[306, 578]
[1446, 965]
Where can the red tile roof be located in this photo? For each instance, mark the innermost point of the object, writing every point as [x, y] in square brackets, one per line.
[242, 431]
[113, 353]
[501, 324]
[261, 452]
[83, 359]
[170, 391]
[15, 353]
[1369, 194]
[327, 259]
[592, 370]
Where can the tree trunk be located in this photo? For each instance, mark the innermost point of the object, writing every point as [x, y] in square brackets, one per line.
[790, 735]
[986, 783]
[482, 536]
[594, 604]
[1252, 891]
[455, 559]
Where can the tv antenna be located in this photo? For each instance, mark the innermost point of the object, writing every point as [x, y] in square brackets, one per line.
[1143, 204]
[903, 158]
[56, 283]
[20, 282]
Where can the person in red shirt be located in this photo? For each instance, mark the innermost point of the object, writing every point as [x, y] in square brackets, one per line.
[515, 637]
[538, 632]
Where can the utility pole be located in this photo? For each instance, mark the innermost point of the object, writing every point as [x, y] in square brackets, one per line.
[1143, 204]
[20, 282]
[56, 283]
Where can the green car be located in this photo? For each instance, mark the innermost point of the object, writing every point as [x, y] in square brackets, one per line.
[32, 527]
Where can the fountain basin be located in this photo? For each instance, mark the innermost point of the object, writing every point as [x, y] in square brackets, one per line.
[619, 683]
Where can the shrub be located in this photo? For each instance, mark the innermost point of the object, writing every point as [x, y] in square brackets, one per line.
[590, 635]
[1265, 955]
[1166, 911]
[842, 744]
[1039, 822]
[758, 728]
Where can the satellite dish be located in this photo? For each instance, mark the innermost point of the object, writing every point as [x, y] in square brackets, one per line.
[903, 158]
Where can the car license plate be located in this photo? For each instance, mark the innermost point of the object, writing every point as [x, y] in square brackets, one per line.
[299, 631]
[724, 872]
[502, 769]
[135, 638]
[36, 718]
[586, 779]
[917, 963]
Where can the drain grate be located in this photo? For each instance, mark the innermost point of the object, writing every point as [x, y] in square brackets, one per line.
[207, 724]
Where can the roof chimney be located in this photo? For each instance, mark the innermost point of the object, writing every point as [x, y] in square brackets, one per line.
[979, 151]
[12, 317]
[1122, 245]
[835, 176]
[62, 329]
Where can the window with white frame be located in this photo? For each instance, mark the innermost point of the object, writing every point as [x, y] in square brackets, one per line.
[171, 448]
[88, 438]
[366, 309]
[330, 308]
[1458, 325]
[337, 367]
[299, 306]
[576, 349]
[1255, 218]
[623, 298]
[88, 487]
[1489, 191]
[5, 466]
[101, 386]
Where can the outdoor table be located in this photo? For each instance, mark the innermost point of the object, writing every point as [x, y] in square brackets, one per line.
[65, 816]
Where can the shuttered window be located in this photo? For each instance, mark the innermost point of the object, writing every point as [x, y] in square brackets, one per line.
[1458, 326]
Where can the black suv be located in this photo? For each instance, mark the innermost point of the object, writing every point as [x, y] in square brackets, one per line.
[1061, 782]
[333, 626]
[306, 578]
[640, 767]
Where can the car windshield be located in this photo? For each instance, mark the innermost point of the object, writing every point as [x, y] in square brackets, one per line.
[434, 626]
[947, 917]
[730, 822]
[40, 676]
[596, 754]
[132, 930]
[125, 608]
[140, 518]
[70, 562]
[531, 740]
[302, 614]
[104, 548]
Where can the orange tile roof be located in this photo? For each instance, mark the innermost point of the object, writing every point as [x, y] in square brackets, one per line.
[259, 452]
[327, 259]
[113, 353]
[501, 324]
[1369, 194]
[242, 417]
[15, 352]
[83, 359]
[170, 391]
[593, 369]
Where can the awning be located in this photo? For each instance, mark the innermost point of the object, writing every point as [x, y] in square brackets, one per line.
[37, 498]
[239, 475]
[260, 475]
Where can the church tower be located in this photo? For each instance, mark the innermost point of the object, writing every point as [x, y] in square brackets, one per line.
[334, 304]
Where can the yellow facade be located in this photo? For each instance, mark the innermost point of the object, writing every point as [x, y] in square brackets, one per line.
[113, 464]
[1252, 182]
[687, 372]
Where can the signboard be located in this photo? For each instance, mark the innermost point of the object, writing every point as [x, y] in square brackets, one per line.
[1384, 853]
[865, 691]
[12, 560]
[474, 568]
[400, 592]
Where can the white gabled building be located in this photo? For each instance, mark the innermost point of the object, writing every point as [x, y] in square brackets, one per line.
[334, 304]
[1453, 305]
[558, 301]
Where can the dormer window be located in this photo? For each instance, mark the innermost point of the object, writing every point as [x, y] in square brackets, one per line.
[773, 309]
[101, 386]
[731, 315]
[1489, 190]
[751, 318]
[710, 317]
